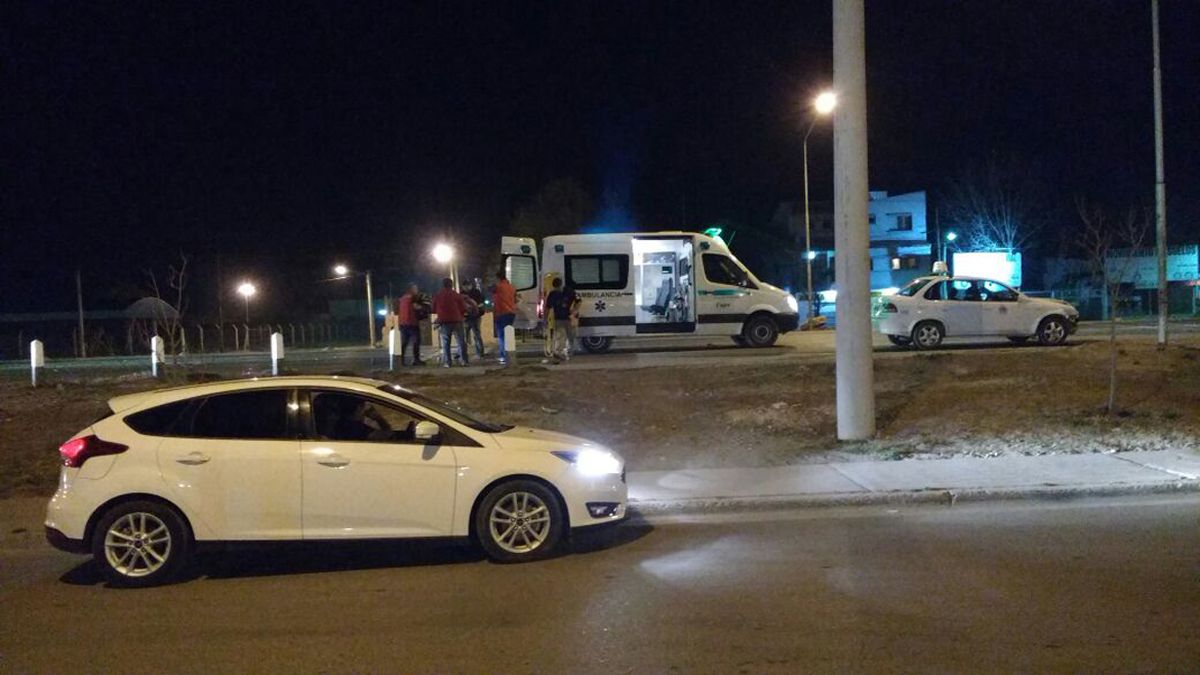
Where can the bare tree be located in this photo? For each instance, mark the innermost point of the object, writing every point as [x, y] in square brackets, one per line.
[1110, 243]
[168, 324]
[994, 206]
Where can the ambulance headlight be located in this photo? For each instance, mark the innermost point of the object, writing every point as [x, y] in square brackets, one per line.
[591, 462]
[792, 304]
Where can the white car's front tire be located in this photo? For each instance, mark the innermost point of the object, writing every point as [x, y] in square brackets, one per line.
[520, 520]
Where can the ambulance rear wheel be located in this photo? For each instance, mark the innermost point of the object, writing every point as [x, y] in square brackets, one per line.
[596, 344]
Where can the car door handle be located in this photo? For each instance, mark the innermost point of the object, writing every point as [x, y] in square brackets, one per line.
[335, 461]
[193, 458]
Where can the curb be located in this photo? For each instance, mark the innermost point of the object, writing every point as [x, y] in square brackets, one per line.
[943, 496]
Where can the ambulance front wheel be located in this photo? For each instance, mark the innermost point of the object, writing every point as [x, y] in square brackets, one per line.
[760, 331]
[595, 344]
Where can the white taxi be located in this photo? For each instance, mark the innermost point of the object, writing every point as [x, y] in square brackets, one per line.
[930, 309]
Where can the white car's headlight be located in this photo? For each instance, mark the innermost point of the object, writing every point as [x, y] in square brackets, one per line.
[795, 306]
[591, 462]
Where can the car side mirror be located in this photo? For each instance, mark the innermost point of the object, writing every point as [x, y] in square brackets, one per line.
[427, 431]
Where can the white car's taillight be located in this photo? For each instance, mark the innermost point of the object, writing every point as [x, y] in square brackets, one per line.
[78, 450]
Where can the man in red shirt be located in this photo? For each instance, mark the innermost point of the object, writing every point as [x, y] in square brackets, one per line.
[410, 324]
[450, 310]
[504, 310]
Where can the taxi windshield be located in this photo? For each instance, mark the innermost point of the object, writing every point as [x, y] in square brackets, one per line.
[911, 288]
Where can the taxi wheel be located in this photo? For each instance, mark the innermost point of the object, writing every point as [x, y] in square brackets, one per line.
[928, 335]
[1052, 331]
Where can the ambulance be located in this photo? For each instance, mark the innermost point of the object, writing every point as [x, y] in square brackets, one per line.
[651, 283]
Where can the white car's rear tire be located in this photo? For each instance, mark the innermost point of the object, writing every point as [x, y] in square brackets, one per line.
[928, 335]
[141, 543]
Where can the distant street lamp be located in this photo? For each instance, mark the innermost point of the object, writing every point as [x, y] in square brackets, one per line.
[246, 290]
[950, 237]
[342, 272]
[823, 105]
[444, 254]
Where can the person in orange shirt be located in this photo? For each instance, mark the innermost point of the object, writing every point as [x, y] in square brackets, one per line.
[504, 311]
[450, 310]
[410, 322]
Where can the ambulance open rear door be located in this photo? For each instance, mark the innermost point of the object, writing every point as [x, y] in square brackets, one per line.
[520, 262]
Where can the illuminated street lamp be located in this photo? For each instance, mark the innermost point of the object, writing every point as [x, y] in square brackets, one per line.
[444, 254]
[246, 290]
[822, 106]
[342, 272]
[950, 237]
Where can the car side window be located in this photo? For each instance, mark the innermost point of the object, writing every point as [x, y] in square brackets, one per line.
[964, 290]
[719, 269]
[160, 420]
[339, 416]
[936, 291]
[997, 292]
[245, 414]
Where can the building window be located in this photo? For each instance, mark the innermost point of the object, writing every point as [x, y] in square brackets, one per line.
[903, 221]
[871, 219]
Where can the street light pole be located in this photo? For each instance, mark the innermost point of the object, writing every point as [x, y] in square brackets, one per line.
[823, 105]
[370, 312]
[807, 228]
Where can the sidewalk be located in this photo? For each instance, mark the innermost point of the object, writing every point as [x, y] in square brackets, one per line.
[915, 481]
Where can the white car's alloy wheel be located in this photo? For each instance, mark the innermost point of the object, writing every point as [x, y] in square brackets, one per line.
[519, 522]
[137, 544]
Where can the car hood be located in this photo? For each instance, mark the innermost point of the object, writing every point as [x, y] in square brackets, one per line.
[526, 438]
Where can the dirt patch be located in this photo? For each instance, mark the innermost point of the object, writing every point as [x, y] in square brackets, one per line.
[970, 402]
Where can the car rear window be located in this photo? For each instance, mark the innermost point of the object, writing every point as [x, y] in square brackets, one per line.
[159, 420]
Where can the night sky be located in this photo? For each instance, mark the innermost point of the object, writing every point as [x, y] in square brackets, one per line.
[273, 140]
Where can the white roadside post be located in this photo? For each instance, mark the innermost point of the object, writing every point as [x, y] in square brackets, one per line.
[392, 346]
[855, 367]
[157, 353]
[37, 359]
[276, 352]
[510, 343]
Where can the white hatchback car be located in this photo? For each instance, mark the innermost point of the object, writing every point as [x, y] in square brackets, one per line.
[312, 458]
[932, 308]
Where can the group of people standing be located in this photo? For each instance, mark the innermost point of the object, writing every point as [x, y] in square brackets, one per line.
[459, 313]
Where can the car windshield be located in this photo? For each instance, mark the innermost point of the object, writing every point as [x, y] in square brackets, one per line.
[913, 286]
[445, 409]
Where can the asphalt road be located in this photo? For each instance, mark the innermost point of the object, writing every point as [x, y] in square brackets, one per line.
[1108, 585]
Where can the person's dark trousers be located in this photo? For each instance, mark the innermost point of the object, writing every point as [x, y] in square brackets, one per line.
[410, 335]
[474, 334]
[456, 329]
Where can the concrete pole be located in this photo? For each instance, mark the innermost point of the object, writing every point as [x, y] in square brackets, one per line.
[1160, 191]
[37, 360]
[393, 347]
[855, 375]
[276, 352]
[157, 353]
